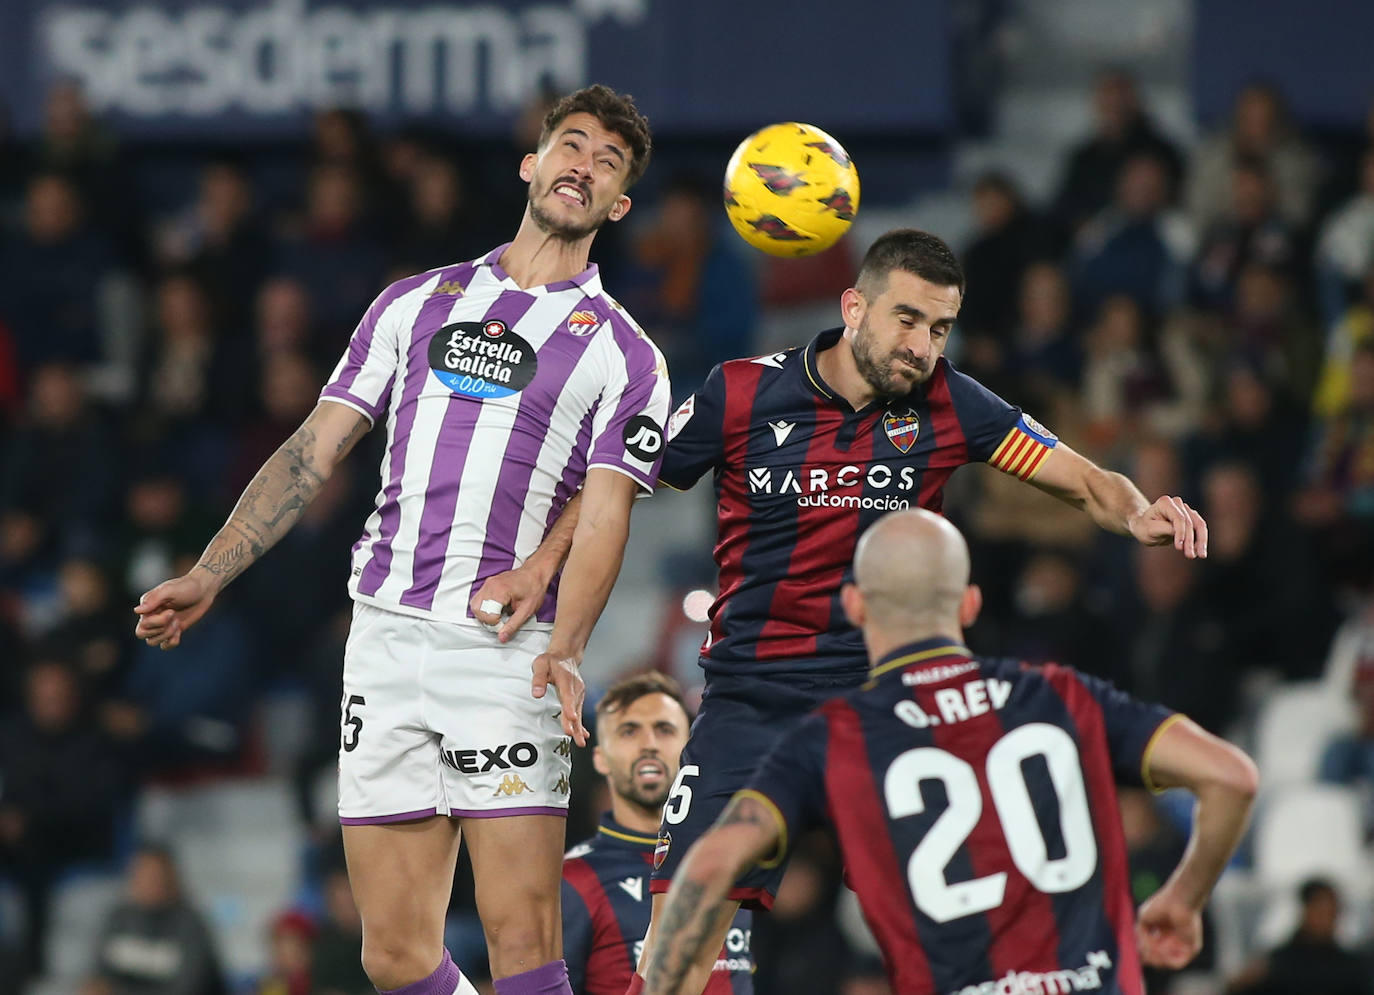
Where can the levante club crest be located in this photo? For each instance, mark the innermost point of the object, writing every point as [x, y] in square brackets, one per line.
[902, 429]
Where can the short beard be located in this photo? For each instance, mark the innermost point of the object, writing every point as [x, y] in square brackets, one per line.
[562, 230]
[878, 375]
[627, 789]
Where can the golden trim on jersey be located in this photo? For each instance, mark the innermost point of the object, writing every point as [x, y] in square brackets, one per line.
[1019, 453]
[781, 850]
[813, 372]
[1149, 748]
[953, 649]
[645, 840]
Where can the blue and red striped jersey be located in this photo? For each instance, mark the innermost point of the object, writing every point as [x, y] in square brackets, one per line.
[975, 804]
[606, 906]
[798, 477]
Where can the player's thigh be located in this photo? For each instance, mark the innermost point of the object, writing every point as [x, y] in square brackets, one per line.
[502, 752]
[388, 757]
[517, 864]
[402, 876]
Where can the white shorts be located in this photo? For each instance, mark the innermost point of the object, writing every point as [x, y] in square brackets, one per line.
[438, 720]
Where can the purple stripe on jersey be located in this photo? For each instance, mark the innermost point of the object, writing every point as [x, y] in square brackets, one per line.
[433, 311]
[640, 363]
[557, 359]
[446, 477]
[361, 345]
[493, 259]
[573, 474]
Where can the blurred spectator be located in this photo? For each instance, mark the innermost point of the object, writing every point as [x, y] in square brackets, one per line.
[1053, 620]
[1174, 648]
[61, 465]
[1345, 245]
[1124, 377]
[60, 788]
[445, 224]
[74, 143]
[1009, 238]
[89, 629]
[161, 524]
[339, 945]
[1349, 757]
[155, 942]
[1122, 129]
[1250, 230]
[691, 289]
[217, 239]
[1312, 960]
[291, 954]
[60, 291]
[1135, 245]
[185, 712]
[283, 321]
[1356, 325]
[1267, 326]
[335, 256]
[1039, 355]
[1337, 502]
[1260, 128]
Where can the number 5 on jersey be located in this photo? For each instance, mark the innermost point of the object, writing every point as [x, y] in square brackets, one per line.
[680, 797]
[926, 870]
[352, 724]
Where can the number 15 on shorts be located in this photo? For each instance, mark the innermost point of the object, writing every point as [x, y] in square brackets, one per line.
[679, 801]
[352, 722]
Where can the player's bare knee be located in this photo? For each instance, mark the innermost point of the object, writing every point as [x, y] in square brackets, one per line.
[521, 939]
[393, 961]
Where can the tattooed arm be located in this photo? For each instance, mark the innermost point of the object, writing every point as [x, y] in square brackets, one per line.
[690, 930]
[270, 505]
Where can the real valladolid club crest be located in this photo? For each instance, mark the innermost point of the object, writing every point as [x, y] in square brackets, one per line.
[582, 322]
[902, 429]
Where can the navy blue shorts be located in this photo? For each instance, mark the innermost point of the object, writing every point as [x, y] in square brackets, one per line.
[740, 719]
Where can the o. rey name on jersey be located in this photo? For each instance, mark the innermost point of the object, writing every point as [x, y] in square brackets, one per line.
[799, 475]
[498, 399]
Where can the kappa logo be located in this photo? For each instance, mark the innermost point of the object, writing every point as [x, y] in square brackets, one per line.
[781, 430]
[451, 288]
[582, 323]
[563, 748]
[511, 784]
[561, 785]
[634, 887]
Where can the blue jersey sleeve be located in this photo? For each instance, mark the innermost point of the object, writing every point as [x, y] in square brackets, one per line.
[696, 441]
[577, 936]
[791, 782]
[997, 432]
[1132, 726]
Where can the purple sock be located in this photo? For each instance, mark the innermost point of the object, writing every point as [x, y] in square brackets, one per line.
[550, 979]
[443, 981]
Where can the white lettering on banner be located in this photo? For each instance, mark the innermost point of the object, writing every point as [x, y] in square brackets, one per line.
[285, 55]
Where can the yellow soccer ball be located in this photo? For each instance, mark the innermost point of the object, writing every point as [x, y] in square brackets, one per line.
[791, 190]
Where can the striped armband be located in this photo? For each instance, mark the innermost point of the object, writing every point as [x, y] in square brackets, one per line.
[1024, 449]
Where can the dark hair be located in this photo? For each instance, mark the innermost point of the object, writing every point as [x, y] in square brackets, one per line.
[916, 252]
[1313, 887]
[624, 693]
[616, 112]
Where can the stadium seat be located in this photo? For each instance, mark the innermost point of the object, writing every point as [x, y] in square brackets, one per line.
[1295, 723]
[1305, 830]
[79, 905]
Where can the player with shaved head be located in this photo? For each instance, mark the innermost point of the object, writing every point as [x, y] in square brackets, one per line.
[974, 800]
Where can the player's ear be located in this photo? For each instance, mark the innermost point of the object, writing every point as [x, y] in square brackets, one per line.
[620, 208]
[599, 762]
[852, 306]
[527, 165]
[970, 605]
[852, 601]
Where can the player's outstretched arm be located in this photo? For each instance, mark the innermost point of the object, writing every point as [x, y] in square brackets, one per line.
[265, 512]
[1116, 504]
[1224, 780]
[598, 545]
[517, 594]
[746, 833]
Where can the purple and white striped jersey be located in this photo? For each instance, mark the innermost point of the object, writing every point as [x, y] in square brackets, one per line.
[498, 400]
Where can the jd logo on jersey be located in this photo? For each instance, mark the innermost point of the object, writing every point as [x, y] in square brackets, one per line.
[902, 429]
[482, 359]
[643, 438]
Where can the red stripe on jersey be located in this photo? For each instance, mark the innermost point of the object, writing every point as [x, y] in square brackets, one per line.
[1023, 930]
[1095, 757]
[608, 961]
[859, 814]
[732, 510]
[949, 439]
[825, 536]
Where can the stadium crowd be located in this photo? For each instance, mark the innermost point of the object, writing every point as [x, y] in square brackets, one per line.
[1202, 318]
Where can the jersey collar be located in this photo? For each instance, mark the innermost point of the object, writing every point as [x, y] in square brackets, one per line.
[589, 279]
[939, 649]
[614, 830]
[811, 373]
